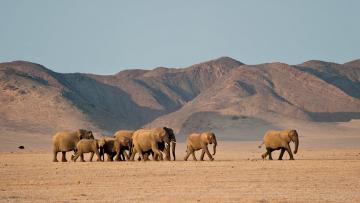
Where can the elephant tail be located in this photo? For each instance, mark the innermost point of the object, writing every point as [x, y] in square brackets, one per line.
[261, 144]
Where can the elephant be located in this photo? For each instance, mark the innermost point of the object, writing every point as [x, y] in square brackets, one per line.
[148, 139]
[162, 145]
[197, 141]
[89, 146]
[120, 135]
[275, 140]
[114, 147]
[66, 141]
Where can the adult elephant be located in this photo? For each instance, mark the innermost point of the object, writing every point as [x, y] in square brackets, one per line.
[67, 141]
[145, 140]
[197, 141]
[163, 146]
[279, 140]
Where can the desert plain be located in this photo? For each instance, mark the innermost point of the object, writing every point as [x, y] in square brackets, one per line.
[326, 169]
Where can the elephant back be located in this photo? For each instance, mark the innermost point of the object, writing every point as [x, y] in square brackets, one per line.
[86, 145]
[65, 141]
[143, 138]
[124, 133]
[275, 138]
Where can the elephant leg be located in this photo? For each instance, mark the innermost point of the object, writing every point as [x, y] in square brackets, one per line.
[202, 155]
[108, 157]
[281, 153]
[288, 149]
[133, 155]
[55, 156]
[98, 155]
[125, 155]
[188, 152]
[156, 151]
[158, 156]
[269, 151]
[205, 148]
[162, 159]
[91, 156]
[193, 155]
[142, 156]
[75, 157]
[118, 156]
[146, 157]
[82, 157]
[63, 158]
[153, 155]
[136, 149]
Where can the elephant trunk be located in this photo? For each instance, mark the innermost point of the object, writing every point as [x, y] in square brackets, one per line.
[130, 147]
[215, 144]
[167, 150]
[296, 145]
[173, 145]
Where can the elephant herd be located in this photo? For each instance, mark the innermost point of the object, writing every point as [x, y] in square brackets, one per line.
[160, 143]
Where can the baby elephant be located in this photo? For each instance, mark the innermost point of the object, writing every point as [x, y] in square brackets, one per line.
[115, 147]
[89, 146]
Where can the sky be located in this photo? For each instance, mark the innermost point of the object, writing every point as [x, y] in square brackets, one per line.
[105, 37]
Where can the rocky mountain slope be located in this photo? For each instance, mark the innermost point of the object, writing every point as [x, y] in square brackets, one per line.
[272, 94]
[220, 95]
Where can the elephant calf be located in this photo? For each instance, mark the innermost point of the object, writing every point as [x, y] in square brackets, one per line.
[89, 146]
[279, 140]
[197, 141]
[115, 147]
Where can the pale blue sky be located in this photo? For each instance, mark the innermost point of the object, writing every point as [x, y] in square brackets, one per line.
[105, 37]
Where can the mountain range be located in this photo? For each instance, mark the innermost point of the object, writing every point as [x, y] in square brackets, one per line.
[223, 95]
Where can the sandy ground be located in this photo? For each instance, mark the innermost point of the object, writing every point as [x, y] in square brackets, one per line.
[237, 175]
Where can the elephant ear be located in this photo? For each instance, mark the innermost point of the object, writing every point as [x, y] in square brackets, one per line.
[208, 136]
[166, 129]
[162, 133]
[170, 132]
[292, 133]
[81, 133]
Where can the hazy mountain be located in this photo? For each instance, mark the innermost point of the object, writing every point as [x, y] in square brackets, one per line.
[218, 95]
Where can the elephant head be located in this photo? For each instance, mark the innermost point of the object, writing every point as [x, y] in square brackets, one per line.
[100, 145]
[85, 134]
[211, 139]
[172, 140]
[295, 138]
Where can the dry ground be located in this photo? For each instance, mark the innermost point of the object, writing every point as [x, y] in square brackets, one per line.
[237, 175]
